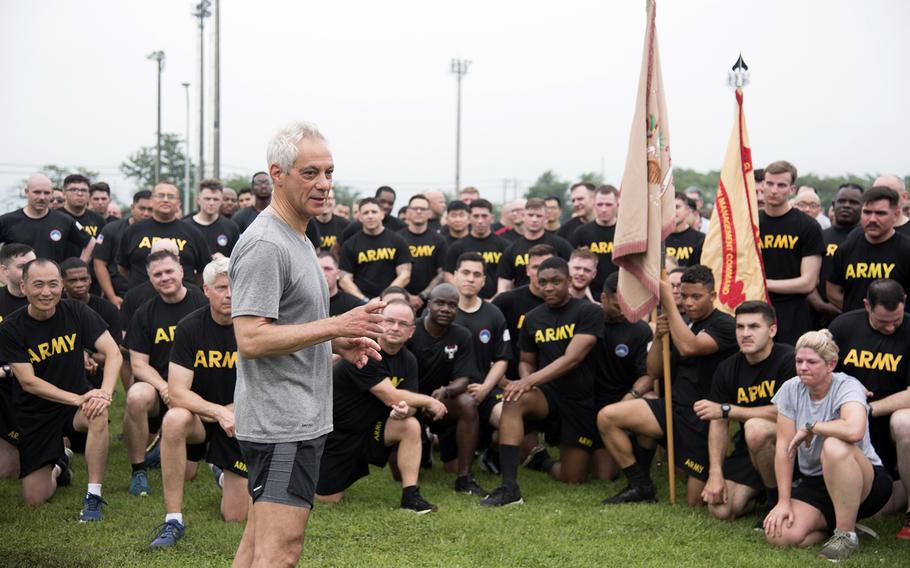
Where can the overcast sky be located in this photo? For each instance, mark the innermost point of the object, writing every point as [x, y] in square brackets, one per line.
[551, 85]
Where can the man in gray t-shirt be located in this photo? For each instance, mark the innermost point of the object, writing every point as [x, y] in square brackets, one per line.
[285, 339]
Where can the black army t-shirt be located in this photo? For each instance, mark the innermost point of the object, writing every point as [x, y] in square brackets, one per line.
[209, 349]
[692, 376]
[10, 303]
[106, 249]
[623, 355]
[109, 313]
[354, 407]
[371, 260]
[50, 235]
[599, 240]
[89, 223]
[514, 304]
[330, 232]
[569, 228]
[220, 236]
[858, 262]
[547, 331]
[393, 224]
[442, 359]
[490, 248]
[54, 347]
[428, 252]
[833, 236]
[490, 334]
[342, 302]
[685, 246]
[740, 383]
[152, 328]
[881, 362]
[515, 258]
[139, 237]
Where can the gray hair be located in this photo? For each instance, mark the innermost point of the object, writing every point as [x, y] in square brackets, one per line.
[214, 269]
[282, 150]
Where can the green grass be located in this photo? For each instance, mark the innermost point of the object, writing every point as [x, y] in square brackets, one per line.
[558, 526]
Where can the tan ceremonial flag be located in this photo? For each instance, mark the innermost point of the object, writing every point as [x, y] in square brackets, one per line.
[647, 199]
[731, 249]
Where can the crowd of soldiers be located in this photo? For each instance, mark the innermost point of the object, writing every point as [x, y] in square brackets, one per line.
[501, 338]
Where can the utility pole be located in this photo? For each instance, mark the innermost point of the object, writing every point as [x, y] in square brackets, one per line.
[186, 153]
[216, 111]
[158, 57]
[202, 12]
[460, 69]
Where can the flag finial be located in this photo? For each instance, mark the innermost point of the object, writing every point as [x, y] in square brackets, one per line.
[739, 75]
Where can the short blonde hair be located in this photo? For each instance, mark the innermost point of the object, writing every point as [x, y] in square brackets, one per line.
[214, 269]
[822, 342]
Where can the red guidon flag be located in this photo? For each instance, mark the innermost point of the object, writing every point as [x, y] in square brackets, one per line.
[731, 248]
[647, 195]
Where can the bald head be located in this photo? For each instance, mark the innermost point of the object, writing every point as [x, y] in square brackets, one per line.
[892, 181]
[38, 191]
[165, 244]
[437, 202]
[38, 180]
[444, 291]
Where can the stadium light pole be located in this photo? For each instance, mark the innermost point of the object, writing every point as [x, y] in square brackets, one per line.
[186, 152]
[216, 87]
[460, 68]
[202, 12]
[158, 57]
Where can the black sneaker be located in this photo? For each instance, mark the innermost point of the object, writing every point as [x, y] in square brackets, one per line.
[66, 473]
[426, 451]
[633, 494]
[489, 461]
[468, 485]
[416, 503]
[503, 496]
[760, 513]
[537, 458]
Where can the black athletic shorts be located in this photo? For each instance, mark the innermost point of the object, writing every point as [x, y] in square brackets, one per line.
[41, 440]
[690, 437]
[485, 408]
[222, 450]
[154, 422]
[812, 490]
[283, 473]
[880, 436]
[348, 455]
[576, 420]
[8, 429]
[738, 466]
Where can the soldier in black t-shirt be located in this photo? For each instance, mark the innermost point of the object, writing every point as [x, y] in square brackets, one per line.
[556, 385]
[875, 349]
[76, 190]
[366, 432]
[512, 268]
[697, 347]
[220, 233]
[104, 256]
[597, 236]
[427, 248]
[879, 252]
[201, 377]
[792, 249]
[480, 240]
[445, 356]
[742, 389]
[136, 243]
[684, 243]
[13, 257]
[375, 257]
[261, 190]
[48, 232]
[339, 300]
[331, 226]
[44, 345]
[149, 339]
[582, 196]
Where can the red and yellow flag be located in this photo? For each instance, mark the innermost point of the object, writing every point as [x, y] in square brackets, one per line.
[731, 249]
[647, 196]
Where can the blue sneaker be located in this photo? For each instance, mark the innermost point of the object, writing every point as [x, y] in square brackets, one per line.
[139, 484]
[168, 534]
[91, 508]
[153, 454]
[219, 475]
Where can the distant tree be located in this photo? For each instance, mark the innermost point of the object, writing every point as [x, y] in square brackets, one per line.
[592, 177]
[548, 184]
[140, 166]
[236, 182]
[58, 173]
[345, 194]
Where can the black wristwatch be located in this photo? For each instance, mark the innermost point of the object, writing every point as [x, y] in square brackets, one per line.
[7, 372]
[725, 410]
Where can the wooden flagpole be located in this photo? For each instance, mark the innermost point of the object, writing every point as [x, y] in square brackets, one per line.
[668, 407]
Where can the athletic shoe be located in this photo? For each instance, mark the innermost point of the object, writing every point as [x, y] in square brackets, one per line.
[139, 484]
[633, 494]
[169, 532]
[153, 454]
[416, 503]
[839, 547]
[219, 475]
[426, 451]
[904, 533]
[760, 513]
[503, 496]
[864, 532]
[537, 458]
[489, 461]
[468, 485]
[66, 473]
[91, 508]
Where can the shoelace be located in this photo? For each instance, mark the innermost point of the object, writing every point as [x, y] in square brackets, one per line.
[93, 502]
[166, 529]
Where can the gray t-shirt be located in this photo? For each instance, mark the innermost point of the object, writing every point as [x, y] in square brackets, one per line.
[275, 274]
[794, 402]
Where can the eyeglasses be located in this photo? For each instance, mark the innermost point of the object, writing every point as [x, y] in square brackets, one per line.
[58, 200]
[389, 322]
[77, 190]
[419, 209]
[168, 196]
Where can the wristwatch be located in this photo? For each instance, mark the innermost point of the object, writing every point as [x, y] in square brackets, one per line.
[810, 426]
[7, 372]
[725, 410]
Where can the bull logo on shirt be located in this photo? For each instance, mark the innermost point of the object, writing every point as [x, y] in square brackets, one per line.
[372, 255]
[212, 359]
[56, 346]
[451, 350]
[147, 242]
[869, 270]
[561, 333]
[874, 361]
[785, 242]
[422, 251]
[396, 380]
[763, 390]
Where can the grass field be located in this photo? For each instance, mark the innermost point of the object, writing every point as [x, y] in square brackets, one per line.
[557, 526]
